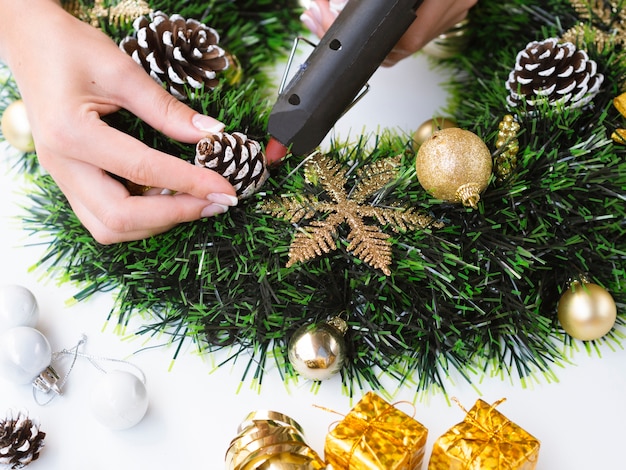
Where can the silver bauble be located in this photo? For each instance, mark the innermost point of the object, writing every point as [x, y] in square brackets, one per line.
[318, 351]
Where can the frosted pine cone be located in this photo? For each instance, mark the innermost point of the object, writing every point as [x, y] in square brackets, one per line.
[236, 158]
[553, 73]
[20, 442]
[177, 52]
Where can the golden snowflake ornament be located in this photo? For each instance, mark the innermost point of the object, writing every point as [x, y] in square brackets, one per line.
[318, 217]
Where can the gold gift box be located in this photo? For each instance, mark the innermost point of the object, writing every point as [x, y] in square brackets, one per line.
[485, 440]
[376, 435]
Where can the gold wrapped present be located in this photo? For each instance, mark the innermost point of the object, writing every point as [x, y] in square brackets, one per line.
[376, 435]
[485, 440]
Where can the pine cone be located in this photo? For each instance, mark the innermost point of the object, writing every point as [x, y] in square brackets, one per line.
[553, 73]
[177, 52]
[20, 441]
[236, 158]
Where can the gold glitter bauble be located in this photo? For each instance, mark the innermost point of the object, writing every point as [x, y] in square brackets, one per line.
[454, 165]
[586, 311]
[16, 127]
[318, 351]
[428, 128]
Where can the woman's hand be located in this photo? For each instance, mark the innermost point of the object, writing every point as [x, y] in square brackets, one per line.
[70, 75]
[433, 17]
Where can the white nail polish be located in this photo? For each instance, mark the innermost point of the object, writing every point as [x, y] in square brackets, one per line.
[213, 209]
[309, 23]
[207, 123]
[315, 12]
[222, 198]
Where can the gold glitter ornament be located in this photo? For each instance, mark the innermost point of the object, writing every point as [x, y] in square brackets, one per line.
[116, 13]
[454, 165]
[429, 127]
[508, 147]
[619, 135]
[586, 311]
[352, 207]
[317, 351]
[16, 127]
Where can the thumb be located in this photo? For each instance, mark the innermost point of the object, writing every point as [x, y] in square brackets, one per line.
[150, 102]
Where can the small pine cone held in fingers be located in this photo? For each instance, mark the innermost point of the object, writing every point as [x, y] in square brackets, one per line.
[235, 157]
[180, 53]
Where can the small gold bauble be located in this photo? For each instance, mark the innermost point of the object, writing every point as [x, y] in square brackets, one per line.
[428, 128]
[586, 311]
[454, 165]
[16, 127]
[318, 351]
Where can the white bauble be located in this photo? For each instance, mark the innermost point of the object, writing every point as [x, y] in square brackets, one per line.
[119, 400]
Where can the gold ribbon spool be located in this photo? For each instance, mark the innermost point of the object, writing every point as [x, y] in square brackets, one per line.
[266, 435]
[269, 416]
[250, 442]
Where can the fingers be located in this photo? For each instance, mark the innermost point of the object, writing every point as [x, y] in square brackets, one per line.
[431, 21]
[146, 99]
[120, 217]
[129, 158]
[321, 14]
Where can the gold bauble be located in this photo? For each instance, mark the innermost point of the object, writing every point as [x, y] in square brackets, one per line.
[318, 351]
[454, 165]
[428, 128]
[586, 311]
[449, 43]
[16, 127]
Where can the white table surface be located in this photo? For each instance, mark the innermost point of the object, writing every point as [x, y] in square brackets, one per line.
[195, 410]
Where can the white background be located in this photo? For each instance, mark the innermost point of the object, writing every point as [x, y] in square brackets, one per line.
[195, 410]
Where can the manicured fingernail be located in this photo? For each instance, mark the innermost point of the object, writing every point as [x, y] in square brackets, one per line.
[309, 23]
[315, 12]
[207, 123]
[213, 209]
[337, 5]
[223, 199]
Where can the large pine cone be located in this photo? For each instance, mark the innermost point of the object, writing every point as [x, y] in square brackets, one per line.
[554, 73]
[236, 158]
[176, 52]
[20, 441]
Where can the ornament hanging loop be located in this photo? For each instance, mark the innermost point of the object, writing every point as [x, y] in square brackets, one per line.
[49, 380]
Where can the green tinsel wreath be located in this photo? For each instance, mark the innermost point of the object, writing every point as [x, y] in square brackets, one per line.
[477, 294]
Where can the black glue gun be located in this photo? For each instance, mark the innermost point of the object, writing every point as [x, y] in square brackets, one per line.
[335, 72]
